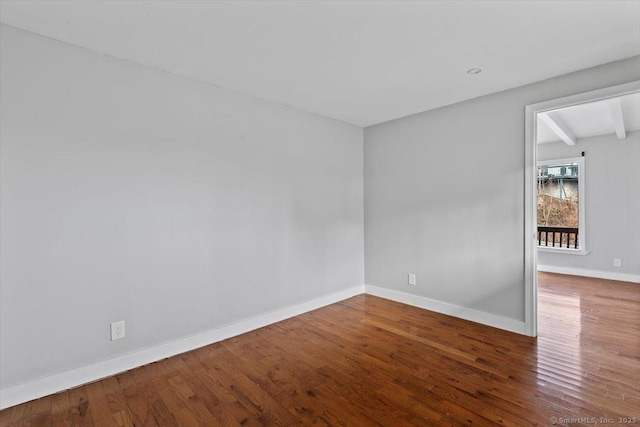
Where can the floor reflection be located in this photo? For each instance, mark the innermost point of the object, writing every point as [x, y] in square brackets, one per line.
[588, 347]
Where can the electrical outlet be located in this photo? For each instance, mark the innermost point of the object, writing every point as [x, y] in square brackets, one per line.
[117, 330]
[412, 279]
[617, 262]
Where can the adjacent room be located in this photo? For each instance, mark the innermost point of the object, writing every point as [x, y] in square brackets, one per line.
[335, 213]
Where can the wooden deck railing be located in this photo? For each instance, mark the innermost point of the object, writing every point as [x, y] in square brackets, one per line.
[568, 237]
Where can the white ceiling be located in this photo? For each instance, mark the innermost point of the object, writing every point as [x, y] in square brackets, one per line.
[362, 62]
[592, 119]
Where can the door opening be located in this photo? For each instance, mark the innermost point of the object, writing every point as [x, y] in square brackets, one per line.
[547, 113]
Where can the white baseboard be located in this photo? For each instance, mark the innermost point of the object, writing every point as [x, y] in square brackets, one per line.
[576, 271]
[55, 383]
[500, 322]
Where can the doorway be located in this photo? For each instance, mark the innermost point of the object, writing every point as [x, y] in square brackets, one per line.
[532, 114]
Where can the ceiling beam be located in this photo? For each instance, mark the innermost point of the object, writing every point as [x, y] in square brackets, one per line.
[615, 106]
[560, 129]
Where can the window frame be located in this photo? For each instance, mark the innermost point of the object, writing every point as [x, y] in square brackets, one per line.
[582, 230]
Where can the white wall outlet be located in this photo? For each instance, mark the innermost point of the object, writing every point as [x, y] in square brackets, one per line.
[617, 262]
[412, 279]
[117, 330]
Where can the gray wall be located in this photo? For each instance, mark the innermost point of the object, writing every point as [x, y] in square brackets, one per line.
[129, 193]
[444, 194]
[612, 210]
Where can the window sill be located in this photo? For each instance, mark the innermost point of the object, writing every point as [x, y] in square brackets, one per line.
[565, 251]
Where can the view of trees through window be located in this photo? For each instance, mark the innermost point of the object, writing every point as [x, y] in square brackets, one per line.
[558, 205]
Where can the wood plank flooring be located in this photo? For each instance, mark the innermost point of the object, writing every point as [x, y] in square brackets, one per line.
[372, 362]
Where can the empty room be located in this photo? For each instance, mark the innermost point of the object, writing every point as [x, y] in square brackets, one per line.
[328, 213]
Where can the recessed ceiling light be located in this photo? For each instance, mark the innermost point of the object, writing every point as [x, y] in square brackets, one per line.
[474, 71]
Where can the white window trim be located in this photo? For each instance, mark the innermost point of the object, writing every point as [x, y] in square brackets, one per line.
[582, 230]
[564, 251]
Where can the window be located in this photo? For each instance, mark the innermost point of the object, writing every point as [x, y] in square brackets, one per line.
[560, 205]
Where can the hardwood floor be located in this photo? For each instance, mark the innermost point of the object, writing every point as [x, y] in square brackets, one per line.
[371, 362]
